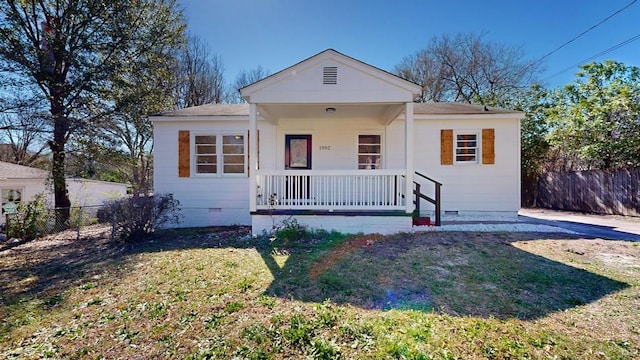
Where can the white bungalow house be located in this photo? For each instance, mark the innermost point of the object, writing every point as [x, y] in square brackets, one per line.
[338, 144]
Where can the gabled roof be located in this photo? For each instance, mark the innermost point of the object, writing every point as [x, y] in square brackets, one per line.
[328, 51]
[299, 83]
[15, 171]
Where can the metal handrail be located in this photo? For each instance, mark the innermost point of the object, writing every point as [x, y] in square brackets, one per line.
[428, 178]
[435, 201]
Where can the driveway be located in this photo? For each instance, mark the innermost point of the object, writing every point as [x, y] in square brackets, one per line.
[610, 227]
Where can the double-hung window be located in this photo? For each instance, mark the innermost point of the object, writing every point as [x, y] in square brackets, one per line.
[233, 154]
[369, 151]
[220, 154]
[206, 153]
[466, 148]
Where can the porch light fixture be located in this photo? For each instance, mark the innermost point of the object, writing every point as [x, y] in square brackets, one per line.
[330, 110]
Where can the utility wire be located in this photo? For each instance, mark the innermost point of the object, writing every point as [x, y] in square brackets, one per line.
[604, 52]
[586, 31]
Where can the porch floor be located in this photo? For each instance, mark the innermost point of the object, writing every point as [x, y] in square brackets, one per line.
[280, 212]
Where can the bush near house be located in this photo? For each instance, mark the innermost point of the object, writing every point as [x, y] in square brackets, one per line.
[29, 220]
[138, 217]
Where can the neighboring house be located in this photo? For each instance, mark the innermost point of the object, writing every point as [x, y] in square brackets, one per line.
[337, 144]
[22, 183]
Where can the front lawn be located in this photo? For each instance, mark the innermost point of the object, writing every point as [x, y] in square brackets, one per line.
[217, 293]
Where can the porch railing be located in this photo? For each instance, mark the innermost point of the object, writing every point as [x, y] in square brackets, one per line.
[331, 190]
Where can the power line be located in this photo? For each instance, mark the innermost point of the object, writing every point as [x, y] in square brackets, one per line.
[586, 31]
[604, 52]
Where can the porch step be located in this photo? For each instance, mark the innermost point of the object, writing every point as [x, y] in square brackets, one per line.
[422, 221]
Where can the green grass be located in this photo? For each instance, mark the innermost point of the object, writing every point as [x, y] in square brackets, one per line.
[215, 293]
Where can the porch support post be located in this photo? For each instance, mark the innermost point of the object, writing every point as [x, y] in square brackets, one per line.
[253, 155]
[408, 156]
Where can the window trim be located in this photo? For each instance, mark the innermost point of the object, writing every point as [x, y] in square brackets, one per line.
[219, 153]
[382, 148]
[478, 147]
[10, 188]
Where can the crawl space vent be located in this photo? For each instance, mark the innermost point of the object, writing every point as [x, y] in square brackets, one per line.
[330, 75]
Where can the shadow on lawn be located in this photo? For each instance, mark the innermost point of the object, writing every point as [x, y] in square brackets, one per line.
[463, 274]
[48, 267]
[455, 273]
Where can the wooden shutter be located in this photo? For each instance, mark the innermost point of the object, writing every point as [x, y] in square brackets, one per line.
[488, 146]
[184, 153]
[446, 147]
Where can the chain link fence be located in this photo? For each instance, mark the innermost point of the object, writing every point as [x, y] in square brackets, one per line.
[83, 222]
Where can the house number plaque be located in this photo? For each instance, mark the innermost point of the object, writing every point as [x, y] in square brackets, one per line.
[325, 147]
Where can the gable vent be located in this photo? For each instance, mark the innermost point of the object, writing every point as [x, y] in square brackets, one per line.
[330, 75]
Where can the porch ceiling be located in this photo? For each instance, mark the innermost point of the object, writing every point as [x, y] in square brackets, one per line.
[382, 112]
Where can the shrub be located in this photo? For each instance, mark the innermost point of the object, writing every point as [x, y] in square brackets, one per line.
[138, 217]
[291, 230]
[81, 217]
[30, 219]
[104, 214]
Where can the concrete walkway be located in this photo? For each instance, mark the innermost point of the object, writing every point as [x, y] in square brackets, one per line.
[610, 227]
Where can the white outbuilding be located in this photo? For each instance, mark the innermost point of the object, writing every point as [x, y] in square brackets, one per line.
[22, 183]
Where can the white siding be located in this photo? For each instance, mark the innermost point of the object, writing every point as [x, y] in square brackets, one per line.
[469, 189]
[205, 200]
[346, 224]
[337, 137]
[83, 192]
[30, 188]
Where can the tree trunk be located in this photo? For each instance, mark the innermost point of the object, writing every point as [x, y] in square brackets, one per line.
[60, 129]
[136, 179]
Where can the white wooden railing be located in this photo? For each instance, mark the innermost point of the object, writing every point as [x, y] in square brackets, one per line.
[331, 190]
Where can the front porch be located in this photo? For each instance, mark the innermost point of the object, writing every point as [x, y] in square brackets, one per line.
[345, 200]
[331, 143]
[326, 190]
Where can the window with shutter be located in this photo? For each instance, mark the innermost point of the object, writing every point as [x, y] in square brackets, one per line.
[467, 147]
[212, 153]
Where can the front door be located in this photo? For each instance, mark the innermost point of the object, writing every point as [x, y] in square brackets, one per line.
[297, 156]
[297, 152]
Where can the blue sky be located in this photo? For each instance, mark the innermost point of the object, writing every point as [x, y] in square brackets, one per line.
[278, 33]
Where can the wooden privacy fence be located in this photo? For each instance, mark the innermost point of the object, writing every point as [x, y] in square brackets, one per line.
[596, 191]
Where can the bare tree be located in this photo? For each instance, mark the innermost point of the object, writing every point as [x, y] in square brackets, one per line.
[466, 68]
[245, 78]
[200, 75]
[23, 135]
[425, 69]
